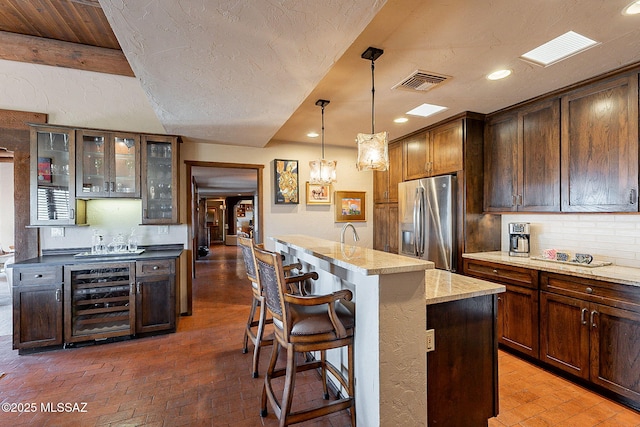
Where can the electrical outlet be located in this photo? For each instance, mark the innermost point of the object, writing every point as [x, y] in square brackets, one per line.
[431, 340]
[163, 229]
[57, 231]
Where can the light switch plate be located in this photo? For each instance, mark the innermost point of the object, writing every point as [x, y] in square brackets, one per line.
[163, 229]
[431, 340]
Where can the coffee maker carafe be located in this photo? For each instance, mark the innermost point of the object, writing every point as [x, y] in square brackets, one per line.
[519, 239]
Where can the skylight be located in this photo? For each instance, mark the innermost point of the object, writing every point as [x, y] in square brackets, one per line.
[426, 110]
[561, 47]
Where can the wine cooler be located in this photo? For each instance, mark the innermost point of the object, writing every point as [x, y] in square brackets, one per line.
[99, 301]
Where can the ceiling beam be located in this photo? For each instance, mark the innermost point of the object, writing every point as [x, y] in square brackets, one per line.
[37, 50]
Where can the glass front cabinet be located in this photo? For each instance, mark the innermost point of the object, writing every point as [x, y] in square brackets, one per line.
[159, 179]
[107, 164]
[52, 176]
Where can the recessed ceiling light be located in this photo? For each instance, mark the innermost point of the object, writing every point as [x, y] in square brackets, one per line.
[426, 110]
[313, 134]
[559, 48]
[632, 9]
[500, 74]
[401, 120]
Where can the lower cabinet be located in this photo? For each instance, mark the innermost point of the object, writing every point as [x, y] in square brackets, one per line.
[591, 329]
[155, 296]
[37, 307]
[96, 300]
[385, 220]
[517, 306]
[462, 371]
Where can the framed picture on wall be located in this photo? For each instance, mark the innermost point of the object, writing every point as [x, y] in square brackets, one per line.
[318, 194]
[286, 182]
[350, 206]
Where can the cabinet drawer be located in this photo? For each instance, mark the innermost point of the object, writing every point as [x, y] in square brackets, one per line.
[154, 267]
[612, 294]
[37, 276]
[501, 273]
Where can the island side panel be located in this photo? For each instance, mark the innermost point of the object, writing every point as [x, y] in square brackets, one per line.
[403, 357]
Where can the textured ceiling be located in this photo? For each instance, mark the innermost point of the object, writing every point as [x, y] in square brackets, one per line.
[247, 72]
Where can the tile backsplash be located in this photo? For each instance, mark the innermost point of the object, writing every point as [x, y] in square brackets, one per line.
[612, 237]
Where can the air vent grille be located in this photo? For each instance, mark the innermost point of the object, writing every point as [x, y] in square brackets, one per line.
[421, 81]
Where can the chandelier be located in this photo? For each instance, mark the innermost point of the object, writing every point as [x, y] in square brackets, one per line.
[322, 171]
[373, 152]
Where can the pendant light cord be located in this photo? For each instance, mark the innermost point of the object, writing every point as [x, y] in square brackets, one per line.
[323, 132]
[373, 97]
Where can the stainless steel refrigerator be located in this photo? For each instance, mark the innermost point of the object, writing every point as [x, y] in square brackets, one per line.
[426, 215]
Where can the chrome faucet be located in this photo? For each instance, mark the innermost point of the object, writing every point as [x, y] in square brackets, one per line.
[355, 233]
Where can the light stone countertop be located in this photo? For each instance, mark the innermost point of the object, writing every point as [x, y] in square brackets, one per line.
[444, 286]
[608, 273]
[365, 261]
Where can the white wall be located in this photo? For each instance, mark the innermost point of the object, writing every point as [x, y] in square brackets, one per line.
[314, 220]
[612, 237]
[7, 211]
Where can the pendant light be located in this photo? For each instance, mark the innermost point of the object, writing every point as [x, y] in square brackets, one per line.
[322, 171]
[373, 151]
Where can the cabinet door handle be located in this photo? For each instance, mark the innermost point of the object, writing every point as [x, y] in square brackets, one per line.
[519, 199]
[495, 271]
[514, 200]
[583, 316]
[589, 290]
[593, 315]
[632, 196]
[155, 267]
[58, 295]
[113, 186]
[37, 276]
[139, 287]
[72, 213]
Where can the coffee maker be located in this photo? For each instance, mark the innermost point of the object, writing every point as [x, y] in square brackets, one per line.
[519, 239]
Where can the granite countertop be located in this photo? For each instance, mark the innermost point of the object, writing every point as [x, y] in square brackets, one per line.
[365, 261]
[608, 273]
[443, 286]
[66, 259]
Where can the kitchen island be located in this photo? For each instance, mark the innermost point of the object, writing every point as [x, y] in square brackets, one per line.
[391, 296]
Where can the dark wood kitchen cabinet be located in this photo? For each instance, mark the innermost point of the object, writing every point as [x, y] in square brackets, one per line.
[37, 307]
[600, 147]
[385, 220]
[159, 179]
[155, 296]
[385, 208]
[436, 151]
[522, 159]
[462, 371]
[52, 181]
[107, 164]
[591, 329]
[517, 307]
[385, 183]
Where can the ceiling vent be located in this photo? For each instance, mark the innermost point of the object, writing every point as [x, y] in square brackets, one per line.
[421, 81]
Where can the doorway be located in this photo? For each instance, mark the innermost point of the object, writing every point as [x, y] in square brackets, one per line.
[7, 234]
[216, 181]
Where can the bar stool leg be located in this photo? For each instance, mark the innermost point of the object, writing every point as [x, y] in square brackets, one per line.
[259, 335]
[289, 385]
[268, 375]
[252, 314]
[323, 361]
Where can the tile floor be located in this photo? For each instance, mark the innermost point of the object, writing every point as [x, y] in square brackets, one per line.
[199, 376]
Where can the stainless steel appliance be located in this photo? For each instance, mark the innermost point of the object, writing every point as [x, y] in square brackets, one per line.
[426, 216]
[519, 239]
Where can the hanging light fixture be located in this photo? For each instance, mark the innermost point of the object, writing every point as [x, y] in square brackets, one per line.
[373, 152]
[322, 171]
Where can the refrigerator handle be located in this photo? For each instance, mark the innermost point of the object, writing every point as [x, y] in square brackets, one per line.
[416, 222]
[422, 221]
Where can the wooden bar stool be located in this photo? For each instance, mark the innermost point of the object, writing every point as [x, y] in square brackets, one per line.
[254, 329]
[302, 324]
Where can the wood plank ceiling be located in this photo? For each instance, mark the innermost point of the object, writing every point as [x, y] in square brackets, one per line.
[62, 33]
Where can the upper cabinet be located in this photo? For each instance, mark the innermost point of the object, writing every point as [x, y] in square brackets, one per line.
[52, 183]
[436, 151]
[107, 164]
[522, 159]
[600, 147]
[385, 183]
[159, 179]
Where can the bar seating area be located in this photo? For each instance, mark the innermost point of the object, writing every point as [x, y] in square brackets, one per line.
[304, 325]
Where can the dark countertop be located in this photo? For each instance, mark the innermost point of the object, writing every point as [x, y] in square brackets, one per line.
[66, 259]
